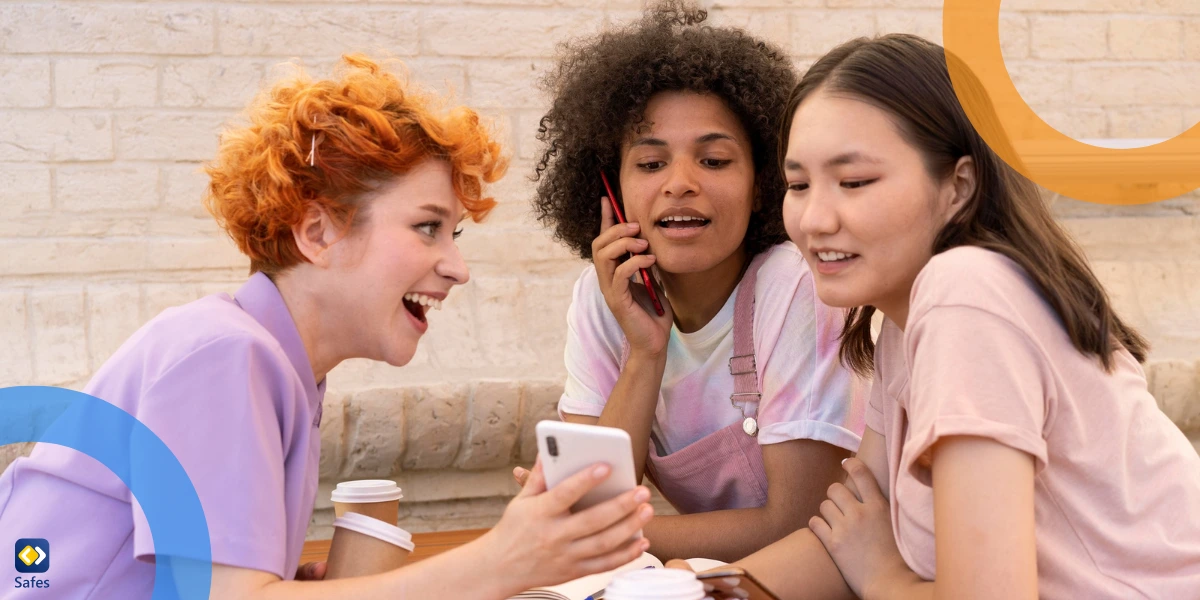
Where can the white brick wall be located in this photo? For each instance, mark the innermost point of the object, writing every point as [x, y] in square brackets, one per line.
[108, 108]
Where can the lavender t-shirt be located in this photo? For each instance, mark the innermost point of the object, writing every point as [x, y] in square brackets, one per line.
[226, 384]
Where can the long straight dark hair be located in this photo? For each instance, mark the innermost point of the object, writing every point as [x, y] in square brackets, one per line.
[908, 77]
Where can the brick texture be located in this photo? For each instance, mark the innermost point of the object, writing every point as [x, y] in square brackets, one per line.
[108, 110]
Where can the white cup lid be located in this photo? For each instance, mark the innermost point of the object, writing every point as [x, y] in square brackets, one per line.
[376, 529]
[655, 584]
[366, 490]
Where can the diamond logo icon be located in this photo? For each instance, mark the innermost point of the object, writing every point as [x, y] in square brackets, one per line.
[32, 555]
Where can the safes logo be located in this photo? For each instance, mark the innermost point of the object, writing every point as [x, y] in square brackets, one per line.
[32, 555]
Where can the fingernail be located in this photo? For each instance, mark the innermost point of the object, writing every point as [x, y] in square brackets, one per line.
[600, 471]
[640, 242]
[642, 495]
[634, 226]
[645, 545]
[708, 587]
[731, 581]
[646, 512]
[844, 460]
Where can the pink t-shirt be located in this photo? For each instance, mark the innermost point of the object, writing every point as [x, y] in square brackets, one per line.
[1117, 486]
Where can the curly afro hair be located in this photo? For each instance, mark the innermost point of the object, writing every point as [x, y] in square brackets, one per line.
[601, 86]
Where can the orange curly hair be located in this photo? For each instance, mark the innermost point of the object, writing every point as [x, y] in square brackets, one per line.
[369, 128]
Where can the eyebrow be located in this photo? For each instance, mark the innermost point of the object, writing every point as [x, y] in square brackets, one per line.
[704, 139]
[845, 158]
[440, 211]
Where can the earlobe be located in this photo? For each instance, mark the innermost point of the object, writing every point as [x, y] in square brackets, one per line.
[312, 235]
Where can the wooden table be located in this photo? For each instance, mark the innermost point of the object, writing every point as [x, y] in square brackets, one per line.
[428, 544]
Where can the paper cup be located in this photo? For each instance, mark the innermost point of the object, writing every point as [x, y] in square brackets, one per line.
[365, 546]
[655, 584]
[375, 498]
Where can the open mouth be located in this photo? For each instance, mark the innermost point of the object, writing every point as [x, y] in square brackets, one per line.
[418, 304]
[682, 222]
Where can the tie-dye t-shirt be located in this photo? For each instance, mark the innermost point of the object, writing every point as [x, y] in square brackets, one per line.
[806, 393]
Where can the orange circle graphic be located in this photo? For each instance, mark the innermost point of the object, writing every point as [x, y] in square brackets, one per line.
[971, 33]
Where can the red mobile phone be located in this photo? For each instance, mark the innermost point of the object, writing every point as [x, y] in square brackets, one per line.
[735, 582]
[621, 217]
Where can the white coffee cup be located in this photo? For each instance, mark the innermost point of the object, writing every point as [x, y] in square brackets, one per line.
[377, 498]
[364, 545]
[655, 584]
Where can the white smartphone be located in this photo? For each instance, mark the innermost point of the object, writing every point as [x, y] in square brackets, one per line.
[568, 448]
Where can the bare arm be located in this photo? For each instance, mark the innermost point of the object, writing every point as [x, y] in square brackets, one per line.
[798, 566]
[631, 405]
[436, 577]
[983, 518]
[798, 472]
[537, 542]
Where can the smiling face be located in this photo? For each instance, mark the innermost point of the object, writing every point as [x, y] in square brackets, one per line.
[861, 204]
[687, 177]
[399, 264]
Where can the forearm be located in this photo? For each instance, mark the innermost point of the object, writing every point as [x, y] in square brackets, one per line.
[798, 568]
[440, 576]
[726, 535]
[632, 403]
[904, 585]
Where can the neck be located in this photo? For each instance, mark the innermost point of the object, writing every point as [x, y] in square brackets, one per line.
[305, 306]
[896, 310]
[697, 297]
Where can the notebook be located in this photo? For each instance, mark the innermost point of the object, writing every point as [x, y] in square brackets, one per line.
[585, 587]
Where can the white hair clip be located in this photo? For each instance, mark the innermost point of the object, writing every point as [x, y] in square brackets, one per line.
[312, 153]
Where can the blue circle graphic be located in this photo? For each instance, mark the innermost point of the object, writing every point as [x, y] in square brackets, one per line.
[183, 555]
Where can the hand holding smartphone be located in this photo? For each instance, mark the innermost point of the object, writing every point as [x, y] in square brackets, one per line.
[658, 308]
[568, 448]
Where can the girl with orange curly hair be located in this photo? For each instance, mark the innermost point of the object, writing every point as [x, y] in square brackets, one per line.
[345, 194]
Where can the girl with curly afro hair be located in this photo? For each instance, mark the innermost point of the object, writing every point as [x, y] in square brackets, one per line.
[345, 194]
[735, 400]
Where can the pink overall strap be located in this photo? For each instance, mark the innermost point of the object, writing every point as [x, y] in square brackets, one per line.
[742, 364]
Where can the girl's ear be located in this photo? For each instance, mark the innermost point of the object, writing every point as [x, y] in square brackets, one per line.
[315, 234]
[961, 186]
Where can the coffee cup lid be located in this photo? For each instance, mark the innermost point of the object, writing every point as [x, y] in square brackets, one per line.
[659, 584]
[376, 529]
[366, 490]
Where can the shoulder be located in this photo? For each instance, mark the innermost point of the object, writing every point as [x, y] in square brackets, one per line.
[588, 314]
[973, 277]
[784, 272]
[206, 335]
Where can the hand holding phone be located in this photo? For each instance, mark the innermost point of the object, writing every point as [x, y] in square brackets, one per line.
[658, 308]
[568, 448]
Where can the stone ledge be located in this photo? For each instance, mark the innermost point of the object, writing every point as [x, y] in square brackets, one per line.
[475, 426]
[485, 425]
